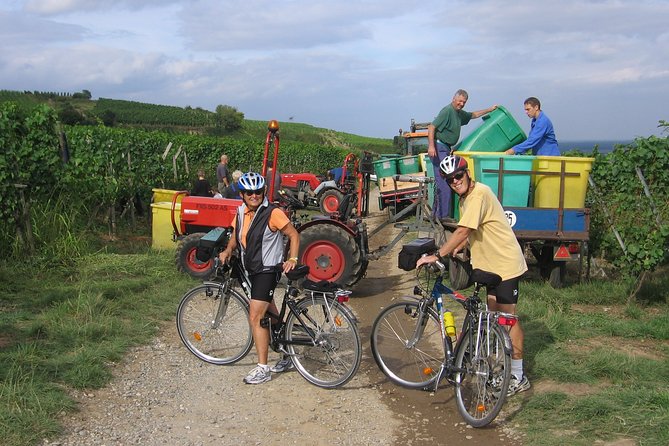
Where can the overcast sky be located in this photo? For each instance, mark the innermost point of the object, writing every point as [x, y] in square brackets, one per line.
[600, 68]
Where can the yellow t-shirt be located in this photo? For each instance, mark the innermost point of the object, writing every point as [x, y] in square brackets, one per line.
[494, 247]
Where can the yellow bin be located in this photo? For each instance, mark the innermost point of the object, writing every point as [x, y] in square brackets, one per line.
[547, 187]
[164, 195]
[161, 229]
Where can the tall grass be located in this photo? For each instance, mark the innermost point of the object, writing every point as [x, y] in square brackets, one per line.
[62, 327]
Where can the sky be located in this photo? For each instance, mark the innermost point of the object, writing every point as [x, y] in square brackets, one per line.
[600, 68]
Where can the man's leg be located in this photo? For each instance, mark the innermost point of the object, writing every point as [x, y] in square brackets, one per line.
[442, 193]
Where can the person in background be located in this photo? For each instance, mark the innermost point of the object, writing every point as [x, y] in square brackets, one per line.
[277, 182]
[233, 191]
[442, 134]
[201, 187]
[222, 174]
[541, 140]
[335, 174]
[258, 231]
[494, 249]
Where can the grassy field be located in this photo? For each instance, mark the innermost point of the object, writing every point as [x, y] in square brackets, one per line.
[599, 366]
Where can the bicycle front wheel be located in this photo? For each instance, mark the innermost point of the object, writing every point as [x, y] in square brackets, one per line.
[323, 341]
[484, 363]
[213, 325]
[407, 345]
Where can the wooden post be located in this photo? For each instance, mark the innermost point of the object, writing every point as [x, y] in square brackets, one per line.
[646, 190]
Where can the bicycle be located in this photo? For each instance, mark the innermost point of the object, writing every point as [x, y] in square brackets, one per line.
[317, 330]
[411, 347]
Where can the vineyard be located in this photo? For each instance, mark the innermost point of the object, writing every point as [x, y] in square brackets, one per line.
[59, 181]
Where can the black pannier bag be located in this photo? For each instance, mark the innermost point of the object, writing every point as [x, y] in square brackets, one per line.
[412, 251]
[211, 243]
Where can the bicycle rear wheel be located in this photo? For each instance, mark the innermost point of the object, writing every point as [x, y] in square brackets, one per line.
[407, 345]
[215, 326]
[481, 386]
[328, 351]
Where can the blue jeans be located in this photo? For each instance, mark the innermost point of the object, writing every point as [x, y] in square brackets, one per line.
[443, 192]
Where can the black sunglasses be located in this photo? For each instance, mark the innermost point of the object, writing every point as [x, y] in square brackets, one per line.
[457, 177]
[252, 192]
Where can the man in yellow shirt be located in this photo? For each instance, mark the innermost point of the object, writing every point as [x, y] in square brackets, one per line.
[494, 248]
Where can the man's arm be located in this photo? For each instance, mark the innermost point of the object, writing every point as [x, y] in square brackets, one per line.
[537, 133]
[431, 145]
[479, 113]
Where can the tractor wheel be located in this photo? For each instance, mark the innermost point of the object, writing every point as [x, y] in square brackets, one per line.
[331, 254]
[330, 201]
[186, 260]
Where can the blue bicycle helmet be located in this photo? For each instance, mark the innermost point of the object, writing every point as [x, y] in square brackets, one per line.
[251, 181]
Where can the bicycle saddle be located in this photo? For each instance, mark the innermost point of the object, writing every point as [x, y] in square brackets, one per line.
[485, 278]
[323, 286]
[298, 273]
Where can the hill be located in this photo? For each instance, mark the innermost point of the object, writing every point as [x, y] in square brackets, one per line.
[81, 109]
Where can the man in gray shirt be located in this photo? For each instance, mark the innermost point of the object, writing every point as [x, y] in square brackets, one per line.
[222, 174]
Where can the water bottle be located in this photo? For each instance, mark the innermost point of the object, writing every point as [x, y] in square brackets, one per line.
[449, 323]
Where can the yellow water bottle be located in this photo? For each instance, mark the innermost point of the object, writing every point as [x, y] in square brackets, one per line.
[449, 323]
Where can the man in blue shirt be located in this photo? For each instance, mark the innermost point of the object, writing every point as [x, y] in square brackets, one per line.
[542, 136]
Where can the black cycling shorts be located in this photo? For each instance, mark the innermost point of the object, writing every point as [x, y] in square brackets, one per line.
[263, 284]
[506, 292]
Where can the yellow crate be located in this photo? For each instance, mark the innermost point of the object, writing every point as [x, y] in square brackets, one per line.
[161, 229]
[164, 195]
[547, 187]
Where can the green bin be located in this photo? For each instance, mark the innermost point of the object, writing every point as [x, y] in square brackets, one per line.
[385, 167]
[498, 133]
[408, 164]
[515, 186]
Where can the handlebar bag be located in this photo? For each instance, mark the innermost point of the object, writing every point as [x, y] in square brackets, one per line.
[413, 250]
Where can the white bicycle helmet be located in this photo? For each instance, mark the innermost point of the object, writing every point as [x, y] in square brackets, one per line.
[451, 165]
[251, 181]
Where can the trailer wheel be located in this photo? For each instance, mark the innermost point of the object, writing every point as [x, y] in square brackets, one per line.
[330, 201]
[555, 274]
[186, 260]
[331, 254]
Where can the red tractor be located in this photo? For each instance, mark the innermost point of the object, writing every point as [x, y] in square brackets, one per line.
[332, 246]
[326, 194]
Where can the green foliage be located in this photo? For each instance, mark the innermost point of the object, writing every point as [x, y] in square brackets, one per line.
[138, 113]
[620, 202]
[228, 119]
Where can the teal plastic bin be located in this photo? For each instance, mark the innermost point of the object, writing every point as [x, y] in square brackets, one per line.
[498, 132]
[385, 167]
[515, 186]
[408, 164]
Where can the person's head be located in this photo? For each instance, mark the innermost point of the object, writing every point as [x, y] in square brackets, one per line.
[453, 169]
[252, 189]
[200, 173]
[460, 99]
[532, 107]
[236, 175]
[224, 159]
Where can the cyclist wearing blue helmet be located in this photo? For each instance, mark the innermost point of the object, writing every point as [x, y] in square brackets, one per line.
[259, 230]
[494, 248]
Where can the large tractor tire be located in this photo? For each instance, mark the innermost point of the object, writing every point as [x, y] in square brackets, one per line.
[186, 260]
[330, 201]
[331, 254]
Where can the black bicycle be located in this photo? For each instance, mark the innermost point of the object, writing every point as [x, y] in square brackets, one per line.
[411, 346]
[314, 325]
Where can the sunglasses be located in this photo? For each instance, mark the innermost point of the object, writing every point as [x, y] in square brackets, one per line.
[248, 193]
[457, 177]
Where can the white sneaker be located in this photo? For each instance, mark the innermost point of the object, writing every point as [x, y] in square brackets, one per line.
[283, 365]
[518, 385]
[258, 375]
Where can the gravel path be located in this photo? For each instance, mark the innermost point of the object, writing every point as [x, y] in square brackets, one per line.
[162, 395]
